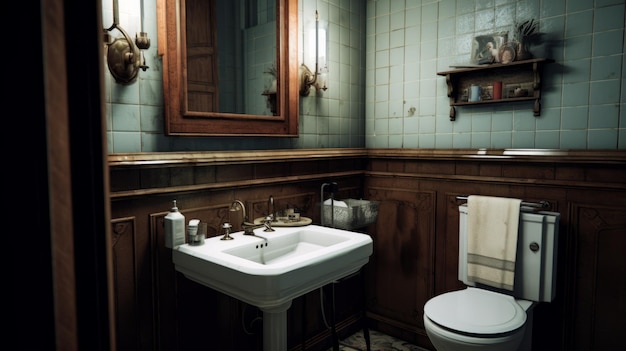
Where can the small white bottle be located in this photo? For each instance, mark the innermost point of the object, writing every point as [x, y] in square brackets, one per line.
[174, 228]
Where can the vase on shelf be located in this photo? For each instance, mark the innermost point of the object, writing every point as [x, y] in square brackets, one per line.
[527, 34]
[522, 51]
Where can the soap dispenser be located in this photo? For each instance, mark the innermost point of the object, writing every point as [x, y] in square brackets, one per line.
[174, 228]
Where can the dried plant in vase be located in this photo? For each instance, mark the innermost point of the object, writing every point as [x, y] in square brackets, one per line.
[527, 34]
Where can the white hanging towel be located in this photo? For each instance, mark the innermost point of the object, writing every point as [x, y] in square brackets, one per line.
[492, 226]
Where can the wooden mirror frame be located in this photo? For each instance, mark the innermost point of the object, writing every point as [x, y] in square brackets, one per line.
[180, 122]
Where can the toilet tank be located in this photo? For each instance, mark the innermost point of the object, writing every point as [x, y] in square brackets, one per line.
[536, 259]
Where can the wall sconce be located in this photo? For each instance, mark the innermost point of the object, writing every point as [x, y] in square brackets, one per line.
[317, 78]
[125, 57]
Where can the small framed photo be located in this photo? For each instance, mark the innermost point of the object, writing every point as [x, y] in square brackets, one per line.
[485, 48]
[486, 93]
[509, 90]
[506, 53]
[518, 90]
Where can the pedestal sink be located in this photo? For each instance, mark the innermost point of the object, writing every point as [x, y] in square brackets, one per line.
[270, 269]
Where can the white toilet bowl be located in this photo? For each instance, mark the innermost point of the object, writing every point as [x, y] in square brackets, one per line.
[477, 319]
[486, 318]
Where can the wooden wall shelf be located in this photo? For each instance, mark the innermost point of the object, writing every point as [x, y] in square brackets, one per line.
[525, 75]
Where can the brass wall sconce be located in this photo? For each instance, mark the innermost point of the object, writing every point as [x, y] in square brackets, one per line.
[309, 79]
[125, 56]
[317, 78]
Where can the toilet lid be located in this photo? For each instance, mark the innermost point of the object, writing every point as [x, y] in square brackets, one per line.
[476, 311]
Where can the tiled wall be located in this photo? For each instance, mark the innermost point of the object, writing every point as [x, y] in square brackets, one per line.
[583, 95]
[332, 119]
[384, 90]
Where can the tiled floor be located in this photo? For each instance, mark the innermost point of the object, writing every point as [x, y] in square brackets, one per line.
[378, 342]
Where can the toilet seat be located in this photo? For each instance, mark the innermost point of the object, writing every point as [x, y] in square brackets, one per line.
[476, 311]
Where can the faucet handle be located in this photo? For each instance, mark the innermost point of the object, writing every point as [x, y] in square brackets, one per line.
[227, 227]
[268, 224]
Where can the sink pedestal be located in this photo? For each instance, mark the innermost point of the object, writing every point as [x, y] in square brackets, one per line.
[275, 327]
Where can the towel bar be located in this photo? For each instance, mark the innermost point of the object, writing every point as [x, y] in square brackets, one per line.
[540, 204]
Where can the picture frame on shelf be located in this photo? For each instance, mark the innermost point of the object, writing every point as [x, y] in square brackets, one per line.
[485, 48]
[486, 93]
[507, 53]
[518, 90]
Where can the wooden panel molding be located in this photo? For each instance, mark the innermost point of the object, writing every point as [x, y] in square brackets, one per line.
[132, 284]
[134, 175]
[596, 305]
[400, 280]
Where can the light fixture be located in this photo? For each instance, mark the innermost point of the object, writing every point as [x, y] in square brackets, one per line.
[317, 78]
[125, 57]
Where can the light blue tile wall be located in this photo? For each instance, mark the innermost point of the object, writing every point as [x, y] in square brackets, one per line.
[384, 90]
[583, 97]
[331, 119]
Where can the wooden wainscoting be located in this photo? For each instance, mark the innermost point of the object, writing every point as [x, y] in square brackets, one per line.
[595, 308]
[401, 268]
[587, 188]
[160, 309]
[415, 239]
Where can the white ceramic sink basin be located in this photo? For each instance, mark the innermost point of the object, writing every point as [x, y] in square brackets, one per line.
[270, 272]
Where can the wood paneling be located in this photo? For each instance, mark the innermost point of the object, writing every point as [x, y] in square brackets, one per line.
[401, 279]
[166, 311]
[597, 306]
[132, 280]
[415, 239]
[588, 310]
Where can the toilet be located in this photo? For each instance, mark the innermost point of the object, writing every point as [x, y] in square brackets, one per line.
[483, 318]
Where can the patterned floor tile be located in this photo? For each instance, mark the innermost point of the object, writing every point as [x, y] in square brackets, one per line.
[378, 342]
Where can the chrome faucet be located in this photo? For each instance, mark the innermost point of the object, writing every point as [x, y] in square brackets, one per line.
[248, 227]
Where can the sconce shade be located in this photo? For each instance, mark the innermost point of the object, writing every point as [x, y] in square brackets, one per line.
[317, 45]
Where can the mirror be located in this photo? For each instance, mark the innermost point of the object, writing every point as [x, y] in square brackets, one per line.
[230, 67]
